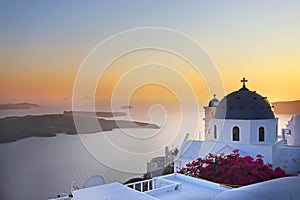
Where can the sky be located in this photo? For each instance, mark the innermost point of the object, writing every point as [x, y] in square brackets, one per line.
[44, 43]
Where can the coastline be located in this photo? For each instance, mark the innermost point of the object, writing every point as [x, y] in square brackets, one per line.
[15, 128]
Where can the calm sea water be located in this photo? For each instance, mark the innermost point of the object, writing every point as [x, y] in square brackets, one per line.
[40, 168]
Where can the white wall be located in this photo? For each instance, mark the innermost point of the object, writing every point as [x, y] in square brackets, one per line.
[249, 130]
[270, 126]
[288, 158]
[224, 130]
[294, 137]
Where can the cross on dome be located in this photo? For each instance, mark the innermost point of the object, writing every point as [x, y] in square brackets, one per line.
[244, 82]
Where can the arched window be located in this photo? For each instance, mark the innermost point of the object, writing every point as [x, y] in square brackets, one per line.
[235, 134]
[261, 134]
[215, 132]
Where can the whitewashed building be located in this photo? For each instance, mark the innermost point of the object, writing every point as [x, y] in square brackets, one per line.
[244, 120]
[292, 131]
[179, 187]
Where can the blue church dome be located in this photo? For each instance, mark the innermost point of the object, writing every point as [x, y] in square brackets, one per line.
[244, 104]
[214, 102]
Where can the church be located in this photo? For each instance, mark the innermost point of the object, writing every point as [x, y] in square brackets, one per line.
[243, 120]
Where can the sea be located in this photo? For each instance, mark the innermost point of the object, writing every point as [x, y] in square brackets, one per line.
[39, 168]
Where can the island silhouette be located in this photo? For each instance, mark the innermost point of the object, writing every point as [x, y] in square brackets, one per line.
[15, 128]
[8, 106]
[287, 107]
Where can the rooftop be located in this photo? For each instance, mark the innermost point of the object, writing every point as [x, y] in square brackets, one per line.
[244, 104]
[169, 187]
[178, 187]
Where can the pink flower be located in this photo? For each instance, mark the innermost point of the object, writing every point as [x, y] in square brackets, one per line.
[232, 169]
[235, 151]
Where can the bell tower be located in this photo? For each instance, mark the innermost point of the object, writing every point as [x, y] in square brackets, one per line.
[209, 112]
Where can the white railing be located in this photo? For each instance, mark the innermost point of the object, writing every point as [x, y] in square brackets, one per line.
[155, 185]
[161, 185]
[141, 186]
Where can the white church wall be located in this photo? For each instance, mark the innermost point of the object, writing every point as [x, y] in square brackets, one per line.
[270, 131]
[225, 130]
[264, 150]
[219, 123]
[246, 149]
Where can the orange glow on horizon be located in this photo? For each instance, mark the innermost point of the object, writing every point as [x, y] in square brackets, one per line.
[275, 78]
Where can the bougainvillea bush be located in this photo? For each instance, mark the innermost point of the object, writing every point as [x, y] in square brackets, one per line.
[232, 169]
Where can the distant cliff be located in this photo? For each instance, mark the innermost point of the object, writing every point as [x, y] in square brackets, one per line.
[287, 107]
[7, 106]
[126, 107]
[15, 128]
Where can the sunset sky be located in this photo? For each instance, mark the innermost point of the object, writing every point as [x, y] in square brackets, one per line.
[43, 44]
